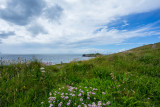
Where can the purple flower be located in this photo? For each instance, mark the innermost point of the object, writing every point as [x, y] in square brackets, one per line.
[60, 104]
[81, 99]
[93, 93]
[68, 103]
[51, 105]
[89, 105]
[73, 95]
[79, 94]
[108, 103]
[66, 97]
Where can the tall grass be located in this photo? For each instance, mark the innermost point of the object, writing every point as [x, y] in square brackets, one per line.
[123, 79]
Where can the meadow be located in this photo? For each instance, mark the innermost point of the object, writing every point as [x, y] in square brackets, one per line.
[130, 78]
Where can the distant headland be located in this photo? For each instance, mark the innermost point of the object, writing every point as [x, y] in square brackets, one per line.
[92, 55]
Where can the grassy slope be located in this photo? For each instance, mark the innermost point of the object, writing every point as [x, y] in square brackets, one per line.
[129, 78]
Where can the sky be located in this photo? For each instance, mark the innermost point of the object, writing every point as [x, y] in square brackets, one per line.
[77, 26]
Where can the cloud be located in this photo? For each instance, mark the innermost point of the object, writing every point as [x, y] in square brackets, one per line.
[81, 23]
[53, 13]
[36, 29]
[6, 34]
[122, 50]
[21, 12]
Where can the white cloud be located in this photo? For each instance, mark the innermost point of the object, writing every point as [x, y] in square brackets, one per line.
[77, 24]
[122, 50]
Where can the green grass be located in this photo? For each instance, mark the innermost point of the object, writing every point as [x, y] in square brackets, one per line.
[130, 78]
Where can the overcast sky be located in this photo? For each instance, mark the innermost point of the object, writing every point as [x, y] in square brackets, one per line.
[77, 26]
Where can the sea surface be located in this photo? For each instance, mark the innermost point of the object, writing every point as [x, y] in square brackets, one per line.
[48, 59]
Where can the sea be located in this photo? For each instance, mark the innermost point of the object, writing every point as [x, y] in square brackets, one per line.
[48, 59]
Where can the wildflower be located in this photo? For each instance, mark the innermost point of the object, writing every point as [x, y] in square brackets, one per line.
[53, 101]
[73, 95]
[42, 102]
[62, 93]
[94, 104]
[104, 104]
[43, 71]
[79, 105]
[79, 94]
[89, 105]
[59, 88]
[68, 103]
[27, 64]
[42, 68]
[99, 103]
[75, 104]
[66, 93]
[66, 97]
[85, 87]
[103, 93]
[118, 85]
[94, 98]
[60, 104]
[50, 93]
[148, 98]
[82, 92]
[108, 103]
[88, 98]
[81, 99]
[88, 93]
[51, 105]
[52, 98]
[93, 93]
[85, 105]
[82, 103]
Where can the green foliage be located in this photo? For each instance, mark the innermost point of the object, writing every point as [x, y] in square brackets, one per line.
[128, 78]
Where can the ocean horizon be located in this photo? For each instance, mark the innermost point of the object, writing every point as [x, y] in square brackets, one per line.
[48, 59]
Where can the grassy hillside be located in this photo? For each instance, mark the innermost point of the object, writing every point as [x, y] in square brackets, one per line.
[130, 78]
